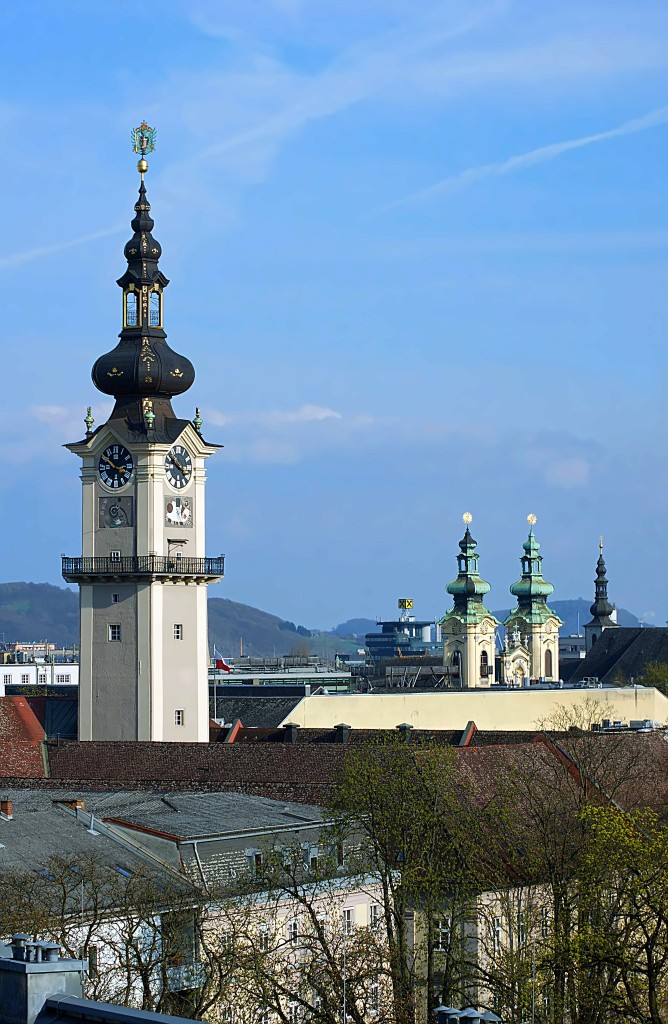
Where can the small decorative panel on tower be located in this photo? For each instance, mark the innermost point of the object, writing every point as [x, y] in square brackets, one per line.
[143, 573]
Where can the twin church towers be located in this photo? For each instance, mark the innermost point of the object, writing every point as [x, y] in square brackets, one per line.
[143, 573]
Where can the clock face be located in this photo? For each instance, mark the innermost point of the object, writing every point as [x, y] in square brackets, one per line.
[116, 466]
[178, 466]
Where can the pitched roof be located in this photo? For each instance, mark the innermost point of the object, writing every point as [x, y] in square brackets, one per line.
[20, 740]
[623, 653]
[254, 711]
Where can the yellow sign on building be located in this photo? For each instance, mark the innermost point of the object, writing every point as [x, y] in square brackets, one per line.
[405, 602]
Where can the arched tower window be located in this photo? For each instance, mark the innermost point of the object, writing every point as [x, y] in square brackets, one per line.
[484, 664]
[456, 660]
[548, 664]
[131, 309]
[155, 311]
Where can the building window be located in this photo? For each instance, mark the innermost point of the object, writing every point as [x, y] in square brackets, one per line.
[293, 931]
[348, 922]
[442, 934]
[374, 997]
[89, 953]
[497, 934]
[7, 679]
[115, 598]
[263, 938]
[179, 716]
[375, 917]
[178, 631]
[264, 1016]
[114, 556]
[293, 1012]
[154, 312]
[548, 664]
[114, 633]
[522, 930]
[25, 678]
[130, 309]
[41, 678]
[63, 678]
[484, 664]
[544, 923]
[227, 1014]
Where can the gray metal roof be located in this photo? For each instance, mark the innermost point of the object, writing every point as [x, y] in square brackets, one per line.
[198, 815]
[255, 711]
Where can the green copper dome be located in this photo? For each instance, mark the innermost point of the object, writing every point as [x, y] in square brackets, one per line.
[468, 589]
[531, 590]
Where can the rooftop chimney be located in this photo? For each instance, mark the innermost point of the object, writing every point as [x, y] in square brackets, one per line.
[341, 733]
[34, 974]
[405, 731]
[290, 730]
[6, 809]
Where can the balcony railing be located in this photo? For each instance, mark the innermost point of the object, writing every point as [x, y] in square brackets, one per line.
[186, 976]
[76, 570]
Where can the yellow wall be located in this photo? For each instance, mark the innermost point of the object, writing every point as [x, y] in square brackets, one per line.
[506, 709]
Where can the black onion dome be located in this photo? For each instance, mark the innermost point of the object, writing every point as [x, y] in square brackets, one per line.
[143, 365]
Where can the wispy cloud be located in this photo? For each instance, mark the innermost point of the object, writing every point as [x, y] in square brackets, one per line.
[28, 255]
[535, 156]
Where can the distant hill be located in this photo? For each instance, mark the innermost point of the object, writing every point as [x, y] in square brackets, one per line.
[568, 612]
[40, 611]
[355, 628]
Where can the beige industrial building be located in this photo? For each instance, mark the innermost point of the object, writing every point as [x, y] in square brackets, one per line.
[518, 709]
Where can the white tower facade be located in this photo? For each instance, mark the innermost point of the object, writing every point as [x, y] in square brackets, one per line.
[143, 573]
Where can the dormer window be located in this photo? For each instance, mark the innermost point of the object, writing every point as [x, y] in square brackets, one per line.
[155, 312]
[131, 309]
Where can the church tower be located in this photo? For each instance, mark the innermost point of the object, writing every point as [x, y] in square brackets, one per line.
[532, 624]
[603, 613]
[468, 629]
[143, 574]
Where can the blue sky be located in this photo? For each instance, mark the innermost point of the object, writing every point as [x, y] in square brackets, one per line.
[418, 258]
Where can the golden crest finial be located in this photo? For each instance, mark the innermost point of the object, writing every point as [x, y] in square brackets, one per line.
[532, 519]
[467, 517]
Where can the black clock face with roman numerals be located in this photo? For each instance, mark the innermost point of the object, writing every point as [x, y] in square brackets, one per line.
[178, 466]
[116, 466]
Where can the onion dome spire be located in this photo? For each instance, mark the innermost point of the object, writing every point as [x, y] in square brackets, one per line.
[469, 589]
[531, 590]
[601, 609]
[142, 366]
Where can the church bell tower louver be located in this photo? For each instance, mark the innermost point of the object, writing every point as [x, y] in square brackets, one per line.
[143, 574]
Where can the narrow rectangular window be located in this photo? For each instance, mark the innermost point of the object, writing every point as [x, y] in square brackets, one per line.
[114, 556]
[114, 633]
[374, 997]
[179, 716]
[442, 934]
[374, 917]
[25, 678]
[544, 923]
[347, 922]
[497, 934]
[7, 679]
[178, 631]
[293, 931]
[115, 598]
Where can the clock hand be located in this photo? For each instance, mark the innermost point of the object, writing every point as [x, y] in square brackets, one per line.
[112, 464]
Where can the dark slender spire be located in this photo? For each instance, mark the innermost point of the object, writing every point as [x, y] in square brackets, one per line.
[143, 368]
[601, 609]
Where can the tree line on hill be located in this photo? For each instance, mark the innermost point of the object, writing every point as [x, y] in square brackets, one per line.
[533, 880]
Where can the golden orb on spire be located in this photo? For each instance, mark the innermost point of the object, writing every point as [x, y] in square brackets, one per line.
[532, 519]
[467, 517]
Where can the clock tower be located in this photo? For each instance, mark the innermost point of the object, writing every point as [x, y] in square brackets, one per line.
[143, 574]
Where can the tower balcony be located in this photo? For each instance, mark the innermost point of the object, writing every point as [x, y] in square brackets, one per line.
[144, 568]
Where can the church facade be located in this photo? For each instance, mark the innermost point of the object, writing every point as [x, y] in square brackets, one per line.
[143, 573]
[530, 649]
